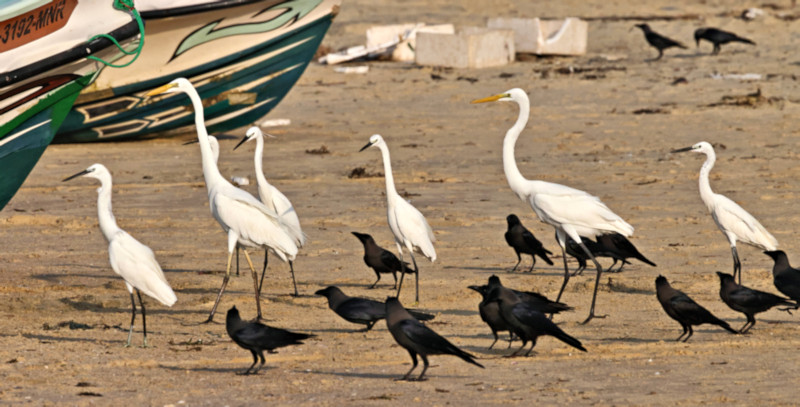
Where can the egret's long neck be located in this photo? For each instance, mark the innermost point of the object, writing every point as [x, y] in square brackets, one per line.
[513, 175]
[706, 193]
[387, 169]
[210, 170]
[261, 180]
[108, 224]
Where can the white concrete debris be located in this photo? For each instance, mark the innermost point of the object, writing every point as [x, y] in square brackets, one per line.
[546, 37]
[471, 47]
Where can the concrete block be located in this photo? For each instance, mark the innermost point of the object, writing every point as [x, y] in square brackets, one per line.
[546, 37]
[407, 34]
[471, 47]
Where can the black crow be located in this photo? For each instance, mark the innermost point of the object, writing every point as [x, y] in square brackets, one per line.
[527, 322]
[360, 310]
[747, 300]
[658, 41]
[574, 250]
[535, 300]
[381, 260]
[619, 248]
[785, 278]
[257, 337]
[684, 310]
[417, 338]
[490, 313]
[718, 37]
[523, 241]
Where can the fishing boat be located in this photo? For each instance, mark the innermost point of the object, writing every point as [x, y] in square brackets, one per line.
[242, 56]
[45, 46]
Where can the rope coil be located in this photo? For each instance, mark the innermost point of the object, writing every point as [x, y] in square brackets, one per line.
[123, 5]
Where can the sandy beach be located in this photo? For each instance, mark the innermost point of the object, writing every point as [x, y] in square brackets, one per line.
[604, 122]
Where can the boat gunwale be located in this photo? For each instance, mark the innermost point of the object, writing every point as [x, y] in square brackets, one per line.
[68, 56]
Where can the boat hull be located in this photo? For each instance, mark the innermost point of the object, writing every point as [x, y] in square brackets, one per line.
[21, 148]
[238, 87]
[44, 69]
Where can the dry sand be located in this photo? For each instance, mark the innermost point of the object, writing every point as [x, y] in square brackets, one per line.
[65, 313]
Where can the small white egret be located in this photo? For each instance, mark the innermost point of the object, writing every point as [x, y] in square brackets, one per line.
[129, 258]
[273, 199]
[733, 221]
[247, 221]
[572, 212]
[214, 143]
[409, 227]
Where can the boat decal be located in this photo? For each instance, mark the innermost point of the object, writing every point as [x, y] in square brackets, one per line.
[23, 132]
[295, 10]
[30, 91]
[35, 24]
[237, 113]
[107, 108]
[164, 117]
[116, 129]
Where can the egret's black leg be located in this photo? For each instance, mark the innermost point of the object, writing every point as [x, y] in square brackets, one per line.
[255, 284]
[294, 283]
[264, 270]
[737, 265]
[133, 318]
[144, 318]
[596, 284]
[221, 289]
[416, 281]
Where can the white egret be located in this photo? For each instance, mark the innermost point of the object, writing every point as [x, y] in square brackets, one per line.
[129, 258]
[214, 143]
[247, 221]
[733, 221]
[273, 199]
[409, 227]
[572, 212]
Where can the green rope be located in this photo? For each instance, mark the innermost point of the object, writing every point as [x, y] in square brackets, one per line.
[122, 5]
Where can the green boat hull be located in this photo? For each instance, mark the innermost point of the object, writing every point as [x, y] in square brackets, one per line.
[24, 139]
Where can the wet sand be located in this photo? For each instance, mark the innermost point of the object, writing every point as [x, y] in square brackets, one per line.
[606, 128]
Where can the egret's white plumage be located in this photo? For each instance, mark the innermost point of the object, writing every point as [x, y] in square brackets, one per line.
[571, 211]
[244, 218]
[129, 258]
[271, 196]
[410, 229]
[731, 219]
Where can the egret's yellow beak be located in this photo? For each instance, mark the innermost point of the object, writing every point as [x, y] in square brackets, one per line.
[161, 89]
[491, 98]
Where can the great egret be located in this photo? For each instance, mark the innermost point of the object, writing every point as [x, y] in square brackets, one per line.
[273, 199]
[409, 227]
[129, 258]
[572, 212]
[733, 221]
[244, 218]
